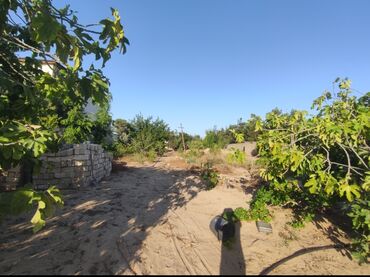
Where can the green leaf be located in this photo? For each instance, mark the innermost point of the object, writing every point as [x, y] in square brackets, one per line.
[21, 201]
[312, 185]
[258, 126]
[44, 27]
[36, 217]
[350, 191]
[77, 58]
[42, 205]
[37, 221]
[6, 152]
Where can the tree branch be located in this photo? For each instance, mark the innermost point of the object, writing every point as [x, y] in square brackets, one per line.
[73, 24]
[358, 156]
[26, 46]
[15, 70]
[327, 159]
[348, 158]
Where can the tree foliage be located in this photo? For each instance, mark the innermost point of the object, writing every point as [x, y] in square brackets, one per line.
[15, 203]
[148, 134]
[321, 159]
[217, 138]
[39, 110]
[102, 129]
[175, 140]
[235, 133]
[122, 130]
[144, 136]
[246, 129]
[34, 104]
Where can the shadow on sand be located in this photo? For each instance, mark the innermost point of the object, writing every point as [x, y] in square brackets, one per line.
[232, 257]
[101, 229]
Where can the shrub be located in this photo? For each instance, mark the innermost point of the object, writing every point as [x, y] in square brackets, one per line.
[175, 141]
[195, 151]
[148, 134]
[237, 157]
[143, 136]
[359, 213]
[242, 214]
[216, 139]
[196, 144]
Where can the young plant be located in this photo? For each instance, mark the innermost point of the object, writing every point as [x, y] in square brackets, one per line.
[210, 175]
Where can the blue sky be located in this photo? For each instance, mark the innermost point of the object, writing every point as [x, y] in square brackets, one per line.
[211, 62]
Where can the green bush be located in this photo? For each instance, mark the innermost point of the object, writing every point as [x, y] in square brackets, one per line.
[101, 130]
[148, 134]
[119, 150]
[195, 151]
[359, 213]
[151, 155]
[175, 141]
[196, 144]
[242, 214]
[143, 136]
[216, 139]
[237, 157]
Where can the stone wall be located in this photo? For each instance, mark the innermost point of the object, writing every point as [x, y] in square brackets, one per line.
[10, 179]
[74, 167]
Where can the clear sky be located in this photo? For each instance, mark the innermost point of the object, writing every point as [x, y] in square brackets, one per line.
[210, 62]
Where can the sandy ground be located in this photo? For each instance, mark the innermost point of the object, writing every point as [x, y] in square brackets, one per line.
[154, 219]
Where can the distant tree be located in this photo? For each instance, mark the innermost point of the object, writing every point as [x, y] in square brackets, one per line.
[122, 129]
[149, 135]
[101, 130]
[175, 140]
[217, 138]
[246, 128]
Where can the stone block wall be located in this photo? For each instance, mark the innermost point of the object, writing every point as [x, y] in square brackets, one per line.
[74, 167]
[10, 179]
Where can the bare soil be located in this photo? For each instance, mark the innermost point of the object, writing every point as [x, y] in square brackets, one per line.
[154, 219]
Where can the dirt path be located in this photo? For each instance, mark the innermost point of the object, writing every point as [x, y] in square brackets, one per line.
[154, 219]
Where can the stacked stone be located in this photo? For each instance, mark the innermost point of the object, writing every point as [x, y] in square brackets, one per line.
[101, 162]
[10, 179]
[75, 167]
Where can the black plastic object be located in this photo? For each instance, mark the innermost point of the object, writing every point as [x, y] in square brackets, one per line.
[216, 226]
[223, 229]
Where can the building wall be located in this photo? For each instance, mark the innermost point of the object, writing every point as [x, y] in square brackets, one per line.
[49, 68]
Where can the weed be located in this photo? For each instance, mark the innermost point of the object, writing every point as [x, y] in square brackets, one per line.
[242, 214]
[237, 157]
[210, 175]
